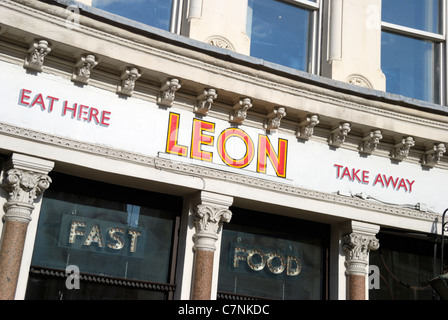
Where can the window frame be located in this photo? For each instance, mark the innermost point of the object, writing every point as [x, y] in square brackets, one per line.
[315, 32]
[437, 38]
[69, 184]
[314, 65]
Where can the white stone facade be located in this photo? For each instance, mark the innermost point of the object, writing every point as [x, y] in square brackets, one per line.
[343, 138]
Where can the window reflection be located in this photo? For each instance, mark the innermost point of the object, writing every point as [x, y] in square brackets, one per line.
[279, 33]
[283, 261]
[418, 14]
[156, 13]
[411, 66]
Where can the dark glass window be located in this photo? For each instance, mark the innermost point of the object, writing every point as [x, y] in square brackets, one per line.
[272, 257]
[405, 264]
[105, 231]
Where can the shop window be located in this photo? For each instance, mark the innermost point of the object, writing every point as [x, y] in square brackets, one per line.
[157, 13]
[284, 32]
[272, 257]
[120, 240]
[412, 48]
[405, 264]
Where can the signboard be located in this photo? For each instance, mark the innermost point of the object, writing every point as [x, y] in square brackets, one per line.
[100, 236]
[56, 106]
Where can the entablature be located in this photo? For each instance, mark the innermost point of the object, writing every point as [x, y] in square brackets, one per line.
[211, 85]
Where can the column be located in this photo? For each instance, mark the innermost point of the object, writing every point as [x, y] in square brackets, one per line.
[219, 23]
[351, 46]
[211, 211]
[357, 244]
[24, 179]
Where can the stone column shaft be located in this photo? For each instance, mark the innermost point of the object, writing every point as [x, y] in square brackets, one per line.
[24, 188]
[357, 245]
[210, 215]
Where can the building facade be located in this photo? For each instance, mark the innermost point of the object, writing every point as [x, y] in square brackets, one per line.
[206, 149]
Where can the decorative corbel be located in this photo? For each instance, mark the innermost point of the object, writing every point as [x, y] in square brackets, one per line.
[274, 118]
[127, 81]
[401, 150]
[370, 142]
[239, 112]
[83, 67]
[433, 156]
[36, 55]
[205, 101]
[306, 127]
[338, 135]
[168, 92]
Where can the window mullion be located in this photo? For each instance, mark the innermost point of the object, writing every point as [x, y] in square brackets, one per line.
[305, 4]
[387, 26]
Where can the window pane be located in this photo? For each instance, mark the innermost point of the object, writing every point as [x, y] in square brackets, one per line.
[156, 13]
[411, 66]
[418, 14]
[283, 261]
[405, 264]
[102, 233]
[280, 33]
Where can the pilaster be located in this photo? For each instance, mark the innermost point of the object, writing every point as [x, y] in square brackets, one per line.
[358, 240]
[352, 43]
[219, 23]
[211, 211]
[25, 179]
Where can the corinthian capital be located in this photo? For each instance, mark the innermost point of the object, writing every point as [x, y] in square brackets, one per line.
[357, 247]
[25, 179]
[25, 186]
[208, 220]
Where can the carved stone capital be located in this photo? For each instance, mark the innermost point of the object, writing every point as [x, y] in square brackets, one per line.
[338, 135]
[127, 81]
[357, 247]
[83, 67]
[370, 142]
[402, 149]
[207, 221]
[239, 112]
[274, 118]
[306, 127]
[23, 188]
[168, 92]
[36, 55]
[205, 101]
[433, 156]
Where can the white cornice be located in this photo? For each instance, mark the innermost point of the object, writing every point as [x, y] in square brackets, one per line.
[210, 173]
